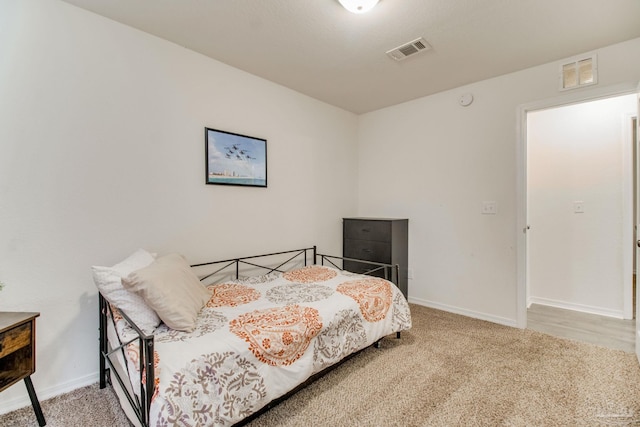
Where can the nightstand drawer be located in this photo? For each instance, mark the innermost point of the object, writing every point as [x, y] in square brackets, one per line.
[367, 230]
[15, 339]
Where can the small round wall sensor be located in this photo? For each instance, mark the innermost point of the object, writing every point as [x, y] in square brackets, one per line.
[466, 99]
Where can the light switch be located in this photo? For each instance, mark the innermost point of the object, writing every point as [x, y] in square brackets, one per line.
[489, 208]
[578, 206]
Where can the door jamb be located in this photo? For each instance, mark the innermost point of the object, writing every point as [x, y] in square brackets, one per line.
[628, 220]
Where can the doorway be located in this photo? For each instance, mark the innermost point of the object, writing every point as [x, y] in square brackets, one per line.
[577, 184]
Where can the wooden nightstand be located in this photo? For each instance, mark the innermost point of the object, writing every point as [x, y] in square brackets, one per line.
[18, 354]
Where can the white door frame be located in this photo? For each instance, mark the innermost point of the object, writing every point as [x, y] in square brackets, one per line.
[580, 95]
[637, 217]
[628, 220]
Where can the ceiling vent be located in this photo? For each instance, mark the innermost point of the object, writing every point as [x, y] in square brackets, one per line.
[408, 49]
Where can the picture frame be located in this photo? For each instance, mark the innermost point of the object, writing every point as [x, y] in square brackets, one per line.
[235, 159]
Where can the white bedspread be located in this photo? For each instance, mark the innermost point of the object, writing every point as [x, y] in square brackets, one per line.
[257, 339]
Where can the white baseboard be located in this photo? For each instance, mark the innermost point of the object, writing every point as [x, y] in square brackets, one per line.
[46, 393]
[618, 314]
[469, 313]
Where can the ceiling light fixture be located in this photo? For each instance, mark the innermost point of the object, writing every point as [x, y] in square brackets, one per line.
[358, 6]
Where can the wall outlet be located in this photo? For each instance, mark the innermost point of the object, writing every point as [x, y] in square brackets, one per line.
[578, 206]
[410, 273]
[489, 208]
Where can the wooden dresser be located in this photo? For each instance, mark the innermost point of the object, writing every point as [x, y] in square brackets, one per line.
[383, 240]
[18, 354]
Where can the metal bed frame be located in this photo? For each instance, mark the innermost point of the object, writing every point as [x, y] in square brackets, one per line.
[141, 404]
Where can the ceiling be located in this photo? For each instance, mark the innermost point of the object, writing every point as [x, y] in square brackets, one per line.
[318, 48]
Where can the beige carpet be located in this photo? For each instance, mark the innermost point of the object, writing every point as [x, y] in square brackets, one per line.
[84, 407]
[449, 370]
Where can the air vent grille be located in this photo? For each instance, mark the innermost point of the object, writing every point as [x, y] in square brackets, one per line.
[401, 52]
[579, 72]
[420, 45]
[408, 50]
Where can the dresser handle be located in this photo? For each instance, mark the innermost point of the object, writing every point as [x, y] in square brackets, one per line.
[368, 251]
[366, 230]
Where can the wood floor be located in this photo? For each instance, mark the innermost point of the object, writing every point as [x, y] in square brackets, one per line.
[600, 330]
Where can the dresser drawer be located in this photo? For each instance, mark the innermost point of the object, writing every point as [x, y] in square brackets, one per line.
[367, 230]
[367, 250]
[15, 339]
[362, 268]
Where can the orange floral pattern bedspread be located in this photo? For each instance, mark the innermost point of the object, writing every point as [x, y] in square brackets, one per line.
[257, 339]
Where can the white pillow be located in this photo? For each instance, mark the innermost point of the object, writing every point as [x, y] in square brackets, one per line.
[109, 282]
[171, 288]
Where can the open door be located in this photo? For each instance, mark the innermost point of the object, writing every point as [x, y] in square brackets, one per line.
[637, 219]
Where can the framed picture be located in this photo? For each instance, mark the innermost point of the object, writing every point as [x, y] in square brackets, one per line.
[234, 159]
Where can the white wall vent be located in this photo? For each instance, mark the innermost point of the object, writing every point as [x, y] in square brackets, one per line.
[401, 52]
[579, 72]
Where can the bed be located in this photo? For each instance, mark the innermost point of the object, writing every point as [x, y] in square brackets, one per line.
[270, 325]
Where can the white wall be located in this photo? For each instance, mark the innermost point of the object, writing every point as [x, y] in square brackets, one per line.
[576, 153]
[102, 152]
[434, 162]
